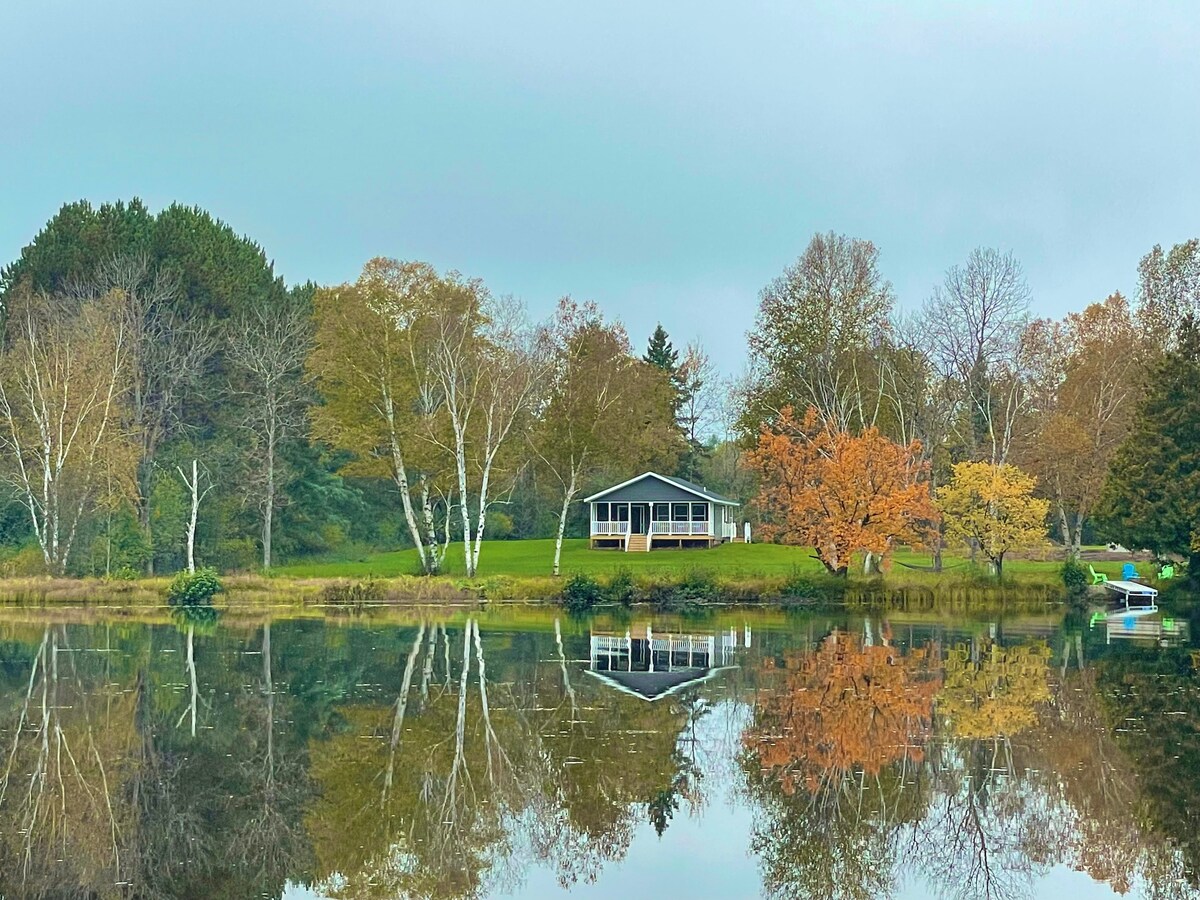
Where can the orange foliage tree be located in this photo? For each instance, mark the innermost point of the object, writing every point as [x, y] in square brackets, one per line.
[837, 492]
[845, 708]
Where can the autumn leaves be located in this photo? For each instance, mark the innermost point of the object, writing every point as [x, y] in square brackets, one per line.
[845, 494]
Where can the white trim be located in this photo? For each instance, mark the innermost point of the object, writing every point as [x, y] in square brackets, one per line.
[708, 676]
[708, 497]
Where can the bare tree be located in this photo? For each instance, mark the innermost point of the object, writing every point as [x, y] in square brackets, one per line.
[267, 350]
[167, 353]
[198, 495]
[699, 398]
[63, 382]
[975, 319]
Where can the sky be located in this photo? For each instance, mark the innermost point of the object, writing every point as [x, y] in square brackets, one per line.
[666, 160]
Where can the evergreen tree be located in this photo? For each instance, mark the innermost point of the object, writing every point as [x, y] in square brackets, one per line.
[1152, 496]
[661, 354]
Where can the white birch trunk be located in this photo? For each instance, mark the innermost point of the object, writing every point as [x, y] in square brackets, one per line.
[568, 496]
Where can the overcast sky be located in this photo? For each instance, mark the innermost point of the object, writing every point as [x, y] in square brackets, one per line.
[665, 160]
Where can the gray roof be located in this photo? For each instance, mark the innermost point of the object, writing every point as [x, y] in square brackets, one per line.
[688, 489]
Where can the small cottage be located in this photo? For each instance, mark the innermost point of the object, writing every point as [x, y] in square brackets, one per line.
[655, 510]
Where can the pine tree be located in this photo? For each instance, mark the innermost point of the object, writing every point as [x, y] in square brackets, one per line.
[1152, 496]
[661, 354]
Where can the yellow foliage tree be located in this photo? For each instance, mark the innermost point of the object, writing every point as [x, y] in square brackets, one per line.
[993, 506]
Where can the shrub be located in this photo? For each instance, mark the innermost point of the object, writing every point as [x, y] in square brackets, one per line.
[696, 589]
[580, 594]
[801, 586]
[352, 593]
[194, 588]
[621, 588]
[1074, 575]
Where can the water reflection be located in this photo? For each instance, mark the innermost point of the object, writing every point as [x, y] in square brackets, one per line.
[854, 757]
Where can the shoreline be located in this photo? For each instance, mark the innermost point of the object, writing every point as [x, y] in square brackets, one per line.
[669, 592]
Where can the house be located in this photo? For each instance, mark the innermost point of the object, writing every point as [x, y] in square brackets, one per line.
[655, 510]
[651, 666]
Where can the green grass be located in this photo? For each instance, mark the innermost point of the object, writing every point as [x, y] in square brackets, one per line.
[537, 558]
[731, 561]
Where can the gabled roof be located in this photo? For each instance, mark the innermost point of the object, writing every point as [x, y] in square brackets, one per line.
[698, 490]
[654, 685]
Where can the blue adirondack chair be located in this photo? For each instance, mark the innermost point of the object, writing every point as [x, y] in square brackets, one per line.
[1129, 572]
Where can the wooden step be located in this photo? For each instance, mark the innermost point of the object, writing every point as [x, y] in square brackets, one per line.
[638, 543]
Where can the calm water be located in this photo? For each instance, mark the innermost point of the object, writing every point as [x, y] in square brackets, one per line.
[804, 756]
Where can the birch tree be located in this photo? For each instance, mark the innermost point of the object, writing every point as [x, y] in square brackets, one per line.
[370, 369]
[267, 350]
[486, 364]
[64, 379]
[603, 408]
[197, 494]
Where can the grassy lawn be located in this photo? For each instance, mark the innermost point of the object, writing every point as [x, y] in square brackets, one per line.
[537, 558]
[534, 558]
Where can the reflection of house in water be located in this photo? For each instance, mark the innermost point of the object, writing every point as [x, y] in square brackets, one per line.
[650, 665]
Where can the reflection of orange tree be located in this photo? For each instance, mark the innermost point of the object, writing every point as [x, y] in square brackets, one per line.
[846, 707]
[993, 691]
[827, 758]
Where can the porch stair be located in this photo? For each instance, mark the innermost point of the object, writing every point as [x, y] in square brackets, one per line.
[637, 543]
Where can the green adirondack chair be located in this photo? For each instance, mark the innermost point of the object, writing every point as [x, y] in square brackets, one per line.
[1166, 572]
[1097, 577]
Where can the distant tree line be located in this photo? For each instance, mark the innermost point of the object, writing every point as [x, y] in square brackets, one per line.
[166, 398]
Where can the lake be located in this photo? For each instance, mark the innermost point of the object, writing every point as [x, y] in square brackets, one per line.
[520, 754]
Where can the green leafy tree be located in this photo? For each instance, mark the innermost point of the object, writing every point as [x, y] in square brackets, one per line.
[813, 338]
[1152, 496]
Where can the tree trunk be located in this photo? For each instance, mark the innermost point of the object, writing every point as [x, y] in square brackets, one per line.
[434, 558]
[269, 512]
[191, 532]
[1068, 540]
[562, 522]
[400, 474]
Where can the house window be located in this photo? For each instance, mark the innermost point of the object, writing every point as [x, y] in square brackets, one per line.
[699, 512]
[601, 512]
[662, 512]
[679, 512]
[620, 512]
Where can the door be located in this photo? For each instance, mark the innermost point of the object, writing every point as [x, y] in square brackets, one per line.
[640, 515]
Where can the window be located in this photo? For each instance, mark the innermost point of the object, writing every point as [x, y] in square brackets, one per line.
[679, 512]
[662, 512]
[699, 512]
[601, 512]
[620, 512]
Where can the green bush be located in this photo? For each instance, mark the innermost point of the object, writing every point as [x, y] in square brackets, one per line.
[194, 588]
[581, 593]
[801, 586]
[621, 588]
[1074, 575]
